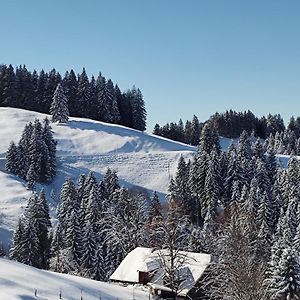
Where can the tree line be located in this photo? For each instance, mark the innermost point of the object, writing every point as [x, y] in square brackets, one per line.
[229, 124]
[96, 98]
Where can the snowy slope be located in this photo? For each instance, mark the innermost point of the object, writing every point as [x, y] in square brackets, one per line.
[140, 159]
[13, 197]
[19, 282]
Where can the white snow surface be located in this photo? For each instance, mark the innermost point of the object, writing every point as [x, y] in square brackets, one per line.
[142, 160]
[146, 260]
[19, 282]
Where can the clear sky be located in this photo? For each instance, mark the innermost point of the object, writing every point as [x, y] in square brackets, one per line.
[188, 57]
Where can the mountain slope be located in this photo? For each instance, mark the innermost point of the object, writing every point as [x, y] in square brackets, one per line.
[141, 160]
[19, 281]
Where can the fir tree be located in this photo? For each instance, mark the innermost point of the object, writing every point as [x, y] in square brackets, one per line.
[285, 283]
[31, 177]
[139, 114]
[59, 107]
[11, 164]
[83, 94]
[155, 211]
[18, 238]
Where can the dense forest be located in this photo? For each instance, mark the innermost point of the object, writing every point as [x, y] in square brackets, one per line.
[240, 206]
[96, 98]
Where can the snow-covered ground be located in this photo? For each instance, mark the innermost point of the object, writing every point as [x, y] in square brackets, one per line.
[140, 159]
[19, 282]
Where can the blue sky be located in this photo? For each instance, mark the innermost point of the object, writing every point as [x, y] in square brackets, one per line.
[188, 57]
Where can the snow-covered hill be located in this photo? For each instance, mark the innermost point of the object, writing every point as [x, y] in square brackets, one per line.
[19, 282]
[140, 159]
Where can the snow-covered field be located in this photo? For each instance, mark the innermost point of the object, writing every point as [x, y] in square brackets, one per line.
[19, 282]
[140, 159]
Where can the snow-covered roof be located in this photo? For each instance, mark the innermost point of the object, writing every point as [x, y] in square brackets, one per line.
[134, 262]
[147, 260]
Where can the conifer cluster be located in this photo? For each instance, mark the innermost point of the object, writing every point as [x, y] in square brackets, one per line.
[247, 209]
[97, 98]
[34, 157]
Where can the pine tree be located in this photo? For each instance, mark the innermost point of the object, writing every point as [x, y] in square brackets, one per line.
[88, 259]
[22, 166]
[195, 131]
[139, 114]
[110, 182]
[74, 244]
[209, 139]
[285, 283]
[234, 173]
[59, 107]
[11, 164]
[272, 166]
[29, 248]
[155, 211]
[49, 158]
[36, 151]
[69, 203]
[97, 269]
[196, 182]
[244, 148]
[83, 94]
[212, 186]
[70, 86]
[18, 237]
[31, 177]
[107, 101]
[43, 224]
[52, 81]
[181, 192]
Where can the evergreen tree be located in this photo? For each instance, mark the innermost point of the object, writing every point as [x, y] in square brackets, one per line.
[285, 283]
[59, 107]
[195, 131]
[8, 88]
[29, 248]
[11, 164]
[138, 109]
[83, 94]
[212, 186]
[18, 237]
[69, 203]
[42, 225]
[88, 259]
[209, 139]
[272, 166]
[74, 244]
[196, 182]
[22, 166]
[97, 269]
[49, 160]
[155, 211]
[31, 177]
[70, 86]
